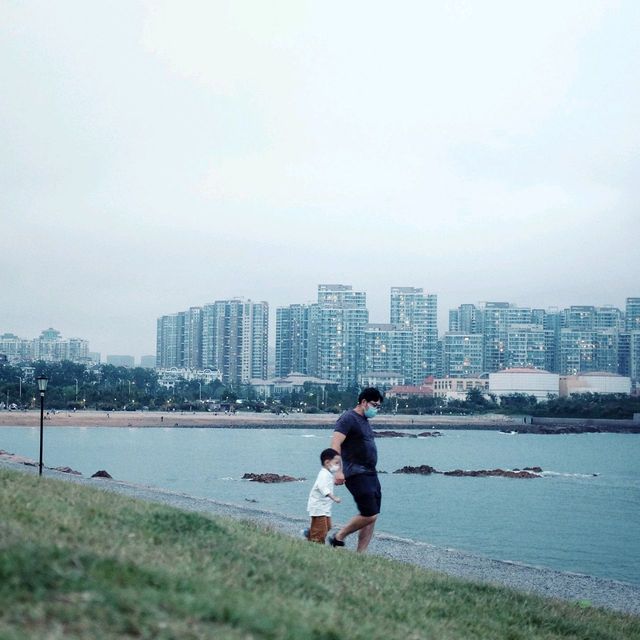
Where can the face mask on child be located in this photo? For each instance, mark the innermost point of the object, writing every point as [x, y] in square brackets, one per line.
[334, 467]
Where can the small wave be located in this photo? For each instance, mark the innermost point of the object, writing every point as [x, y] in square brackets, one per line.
[309, 435]
[561, 474]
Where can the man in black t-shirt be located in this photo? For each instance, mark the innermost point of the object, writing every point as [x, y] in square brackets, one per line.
[353, 439]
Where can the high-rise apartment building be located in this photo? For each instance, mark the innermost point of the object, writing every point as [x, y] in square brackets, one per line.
[629, 341]
[230, 336]
[495, 320]
[388, 349]
[577, 352]
[50, 346]
[15, 349]
[632, 314]
[552, 323]
[590, 318]
[255, 340]
[462, 354]
[296, 339]
[192, 348]
[235, 339]
[574, 340]
[464, 319]
[526, 346]
[634, 355]
[607, 350]
[170, 341]
[417, 311]
[341, 317]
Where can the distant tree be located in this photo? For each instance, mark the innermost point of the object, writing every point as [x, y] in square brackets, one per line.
[518, 403]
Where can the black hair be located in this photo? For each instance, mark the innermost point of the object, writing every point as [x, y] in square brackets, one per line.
[328, 454]
[370, 394]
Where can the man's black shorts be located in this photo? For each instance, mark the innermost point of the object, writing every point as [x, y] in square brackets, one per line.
[366, 491]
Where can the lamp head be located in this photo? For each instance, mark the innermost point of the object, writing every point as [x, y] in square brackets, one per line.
[42, 383]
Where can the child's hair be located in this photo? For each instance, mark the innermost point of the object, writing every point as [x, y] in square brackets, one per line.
[328, 454]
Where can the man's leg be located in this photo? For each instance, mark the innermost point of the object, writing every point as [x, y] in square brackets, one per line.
[364, 536]
[367, 494]
[364, 525]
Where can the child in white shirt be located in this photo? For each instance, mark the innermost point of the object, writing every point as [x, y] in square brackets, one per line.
[321, 497]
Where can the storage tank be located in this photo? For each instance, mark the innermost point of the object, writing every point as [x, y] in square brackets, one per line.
[595, 382]
[530, 382]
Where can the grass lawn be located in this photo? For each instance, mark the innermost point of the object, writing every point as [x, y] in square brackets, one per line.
[77, 562]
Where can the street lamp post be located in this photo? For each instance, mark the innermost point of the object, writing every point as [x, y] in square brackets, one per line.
[42, 387]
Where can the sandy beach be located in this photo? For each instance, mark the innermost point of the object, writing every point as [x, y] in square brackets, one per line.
[244, 419]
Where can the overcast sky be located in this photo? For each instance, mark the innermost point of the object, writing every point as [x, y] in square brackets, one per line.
[156, 156]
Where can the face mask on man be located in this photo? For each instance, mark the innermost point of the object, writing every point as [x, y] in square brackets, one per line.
[370, 412]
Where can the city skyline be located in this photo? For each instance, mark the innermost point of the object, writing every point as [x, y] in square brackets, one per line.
[158, 155]
[444, 319]
[334, 339]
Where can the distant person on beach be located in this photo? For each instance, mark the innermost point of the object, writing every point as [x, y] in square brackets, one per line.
[353, 439]
[321, 497]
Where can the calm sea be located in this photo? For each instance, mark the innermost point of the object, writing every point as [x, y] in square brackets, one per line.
[583, 515]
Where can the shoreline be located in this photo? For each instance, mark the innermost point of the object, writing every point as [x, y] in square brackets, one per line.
[147, 419]
[250, 420]
[584, 590]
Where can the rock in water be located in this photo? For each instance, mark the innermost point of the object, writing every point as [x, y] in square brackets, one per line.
[102, 474]
[393, 434]
[423, 469]
[269, 478]
[484, 473]
[68, 470]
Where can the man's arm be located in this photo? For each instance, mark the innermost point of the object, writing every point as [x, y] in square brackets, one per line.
[337, 440]
[336, 445]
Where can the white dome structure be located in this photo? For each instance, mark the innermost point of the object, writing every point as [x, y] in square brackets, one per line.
[527, 381]
[595, 382]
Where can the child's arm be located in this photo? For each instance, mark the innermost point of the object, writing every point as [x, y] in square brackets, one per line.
[334, 498]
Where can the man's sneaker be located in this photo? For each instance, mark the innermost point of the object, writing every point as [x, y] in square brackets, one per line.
[334, 542]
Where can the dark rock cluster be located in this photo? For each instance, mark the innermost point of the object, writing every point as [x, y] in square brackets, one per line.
[558, 430]
[67, 470]
[425, 470]
[269, 478]
[399, 434]
[487, 473]
[102, 474]
[393, 434]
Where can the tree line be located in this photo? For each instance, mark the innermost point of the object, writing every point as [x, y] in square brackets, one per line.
[110, 388]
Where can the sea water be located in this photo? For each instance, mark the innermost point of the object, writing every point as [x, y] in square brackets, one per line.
[583, 515]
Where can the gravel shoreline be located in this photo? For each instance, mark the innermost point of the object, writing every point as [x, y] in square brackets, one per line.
[584, 589]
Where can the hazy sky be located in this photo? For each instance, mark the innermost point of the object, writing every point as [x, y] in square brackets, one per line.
[161, 155]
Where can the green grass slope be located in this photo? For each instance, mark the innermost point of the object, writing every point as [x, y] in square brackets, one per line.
[77, 562]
